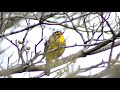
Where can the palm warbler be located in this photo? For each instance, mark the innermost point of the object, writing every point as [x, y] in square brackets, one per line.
[56, 40]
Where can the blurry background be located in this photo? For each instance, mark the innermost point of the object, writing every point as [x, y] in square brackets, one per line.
[20, 32]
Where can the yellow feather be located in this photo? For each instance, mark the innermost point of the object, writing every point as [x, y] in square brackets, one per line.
[56, 40]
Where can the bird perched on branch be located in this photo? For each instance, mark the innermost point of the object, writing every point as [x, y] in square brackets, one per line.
[56, 41]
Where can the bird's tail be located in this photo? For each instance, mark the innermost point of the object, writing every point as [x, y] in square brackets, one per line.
[47, 70]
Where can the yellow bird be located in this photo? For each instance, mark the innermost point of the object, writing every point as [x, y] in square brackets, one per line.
[56, 41]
